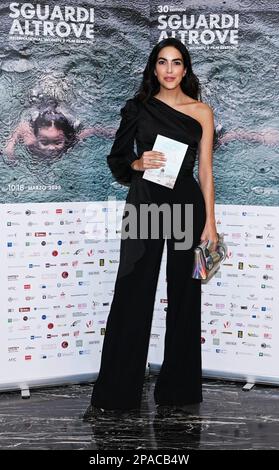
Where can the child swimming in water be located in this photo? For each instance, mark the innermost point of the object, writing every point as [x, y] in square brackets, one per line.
[50, 132]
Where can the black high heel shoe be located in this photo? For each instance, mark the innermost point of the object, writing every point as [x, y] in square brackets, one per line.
[191, 408]
[92, 412]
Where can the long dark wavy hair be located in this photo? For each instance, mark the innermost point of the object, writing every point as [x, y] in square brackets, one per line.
[150, 85]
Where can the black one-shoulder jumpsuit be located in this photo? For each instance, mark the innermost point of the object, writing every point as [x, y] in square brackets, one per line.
[125, 348]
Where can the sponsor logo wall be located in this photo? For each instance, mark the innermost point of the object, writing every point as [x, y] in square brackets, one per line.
[240, 303]
[57, 286]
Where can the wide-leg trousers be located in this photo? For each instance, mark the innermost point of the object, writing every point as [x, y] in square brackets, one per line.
[121, 376]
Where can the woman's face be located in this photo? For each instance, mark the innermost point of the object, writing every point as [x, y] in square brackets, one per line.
[169, 67]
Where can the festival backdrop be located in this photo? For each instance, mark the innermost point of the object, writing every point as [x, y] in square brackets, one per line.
[79, 61]
[234, 46]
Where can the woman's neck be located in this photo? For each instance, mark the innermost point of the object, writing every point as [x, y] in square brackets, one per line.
[173, 97]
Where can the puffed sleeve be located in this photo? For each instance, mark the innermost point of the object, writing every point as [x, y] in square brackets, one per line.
[122, 153]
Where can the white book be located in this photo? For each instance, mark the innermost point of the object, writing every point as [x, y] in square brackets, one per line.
[174, 152]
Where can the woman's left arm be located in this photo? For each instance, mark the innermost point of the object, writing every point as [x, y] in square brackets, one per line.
[205, 172]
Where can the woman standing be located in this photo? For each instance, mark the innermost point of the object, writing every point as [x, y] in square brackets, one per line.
[167, 104]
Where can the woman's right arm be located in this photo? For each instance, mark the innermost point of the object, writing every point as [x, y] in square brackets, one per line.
[122, 152]
[122, 160]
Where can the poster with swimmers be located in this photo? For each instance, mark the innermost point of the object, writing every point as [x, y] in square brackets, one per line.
[233, 46]
[66, 70]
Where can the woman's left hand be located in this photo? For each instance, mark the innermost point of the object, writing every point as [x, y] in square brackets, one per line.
[210, 233]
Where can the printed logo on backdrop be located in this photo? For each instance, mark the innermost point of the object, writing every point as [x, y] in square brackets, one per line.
[47, 23]
[197, 30]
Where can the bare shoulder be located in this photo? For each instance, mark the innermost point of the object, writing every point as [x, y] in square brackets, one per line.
[204, 109]
[205, 115]
[202, 112]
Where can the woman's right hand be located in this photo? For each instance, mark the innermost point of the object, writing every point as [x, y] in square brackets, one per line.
[149, 159]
